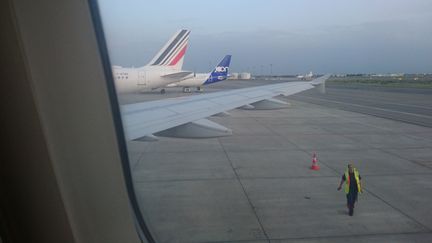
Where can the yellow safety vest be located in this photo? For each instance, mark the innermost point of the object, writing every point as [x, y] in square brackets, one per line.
[347, 180]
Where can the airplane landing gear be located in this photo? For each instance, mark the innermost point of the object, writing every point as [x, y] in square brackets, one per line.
[199, 89]
[186, 90]
[162, 91]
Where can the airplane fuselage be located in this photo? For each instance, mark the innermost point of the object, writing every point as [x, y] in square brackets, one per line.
[196, 80]
[141, 79]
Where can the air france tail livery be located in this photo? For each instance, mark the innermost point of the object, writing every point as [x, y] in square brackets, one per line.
[220, 73]
[163, 69]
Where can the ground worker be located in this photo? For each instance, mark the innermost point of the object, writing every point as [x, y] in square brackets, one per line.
[352, 180]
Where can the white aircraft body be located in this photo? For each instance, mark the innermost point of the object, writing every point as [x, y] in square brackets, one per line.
[308, 76]
[185, 116]
[219, 73]
[197, 80]
[163, 69]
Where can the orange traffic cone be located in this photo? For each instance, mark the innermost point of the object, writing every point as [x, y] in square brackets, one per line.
[314, 163]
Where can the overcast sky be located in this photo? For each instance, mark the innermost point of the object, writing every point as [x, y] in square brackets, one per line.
[295, 36]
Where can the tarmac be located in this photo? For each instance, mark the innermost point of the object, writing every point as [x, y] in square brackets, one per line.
[410, 105]
[257, 186]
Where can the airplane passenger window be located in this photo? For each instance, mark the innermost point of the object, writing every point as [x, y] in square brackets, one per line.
[276, 121]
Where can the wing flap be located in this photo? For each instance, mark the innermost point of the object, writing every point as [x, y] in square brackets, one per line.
[202, 128]
[177, 75]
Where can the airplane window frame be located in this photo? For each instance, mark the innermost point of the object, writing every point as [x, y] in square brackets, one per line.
[115, 109]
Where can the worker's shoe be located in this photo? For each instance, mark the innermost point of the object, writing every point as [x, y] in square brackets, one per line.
[351, 211]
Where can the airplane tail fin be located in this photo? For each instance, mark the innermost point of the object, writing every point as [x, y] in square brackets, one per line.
[220, 72]
[172, 53]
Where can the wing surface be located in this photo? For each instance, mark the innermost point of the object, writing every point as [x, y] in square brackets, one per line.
[147, 118]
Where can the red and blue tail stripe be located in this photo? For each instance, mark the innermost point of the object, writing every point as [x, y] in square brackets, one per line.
[173, 51]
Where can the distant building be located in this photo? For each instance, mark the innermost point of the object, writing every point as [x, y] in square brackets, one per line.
[233, 76]
[397, 74]
[340, 75]
[388, 75]
[245, 76]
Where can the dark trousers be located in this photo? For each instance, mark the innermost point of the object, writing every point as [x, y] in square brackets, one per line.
[351, 199]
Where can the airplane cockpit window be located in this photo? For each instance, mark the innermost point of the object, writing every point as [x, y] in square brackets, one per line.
[276, 121]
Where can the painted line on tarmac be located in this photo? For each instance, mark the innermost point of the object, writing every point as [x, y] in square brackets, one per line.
[369, 107]
[381, 101]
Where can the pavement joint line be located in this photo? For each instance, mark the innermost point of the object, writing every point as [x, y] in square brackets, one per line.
[232, 241]
[373, 194]
[390, 205]
[138, 162]
[381, 199]
[233, 178]
[331, 133]
[245, 193]
[353, 119]
[373, 94]
[421, 132]
[371, 147]
[232, 151]
[366, 106]
[185, 180]
[346, 236]
[409, 160]
[255, 149]
[240, 179]
[184, 151]
[399, 210]
[357, 98]
[377, 88]
[346, 108]
[387, 152]
[412, 136]
[297, 146]
[374, 145]
[302, 98]
[398, 174]
[276, 177]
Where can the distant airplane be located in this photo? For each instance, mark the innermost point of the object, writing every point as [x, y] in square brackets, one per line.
[163, 69]
[219, 73]
[308, 76]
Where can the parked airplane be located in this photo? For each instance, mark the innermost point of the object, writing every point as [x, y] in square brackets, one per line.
[219, 73]
[163, 69]
[308, 76]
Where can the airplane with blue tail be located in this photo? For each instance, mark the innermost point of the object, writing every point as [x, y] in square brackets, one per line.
[219, 73]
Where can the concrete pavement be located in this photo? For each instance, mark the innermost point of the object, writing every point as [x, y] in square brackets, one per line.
[256, 186]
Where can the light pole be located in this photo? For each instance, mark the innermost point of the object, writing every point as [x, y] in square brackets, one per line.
[271, 69]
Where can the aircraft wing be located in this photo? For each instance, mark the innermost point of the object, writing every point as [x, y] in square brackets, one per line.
[177, 75]
[185, 116]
